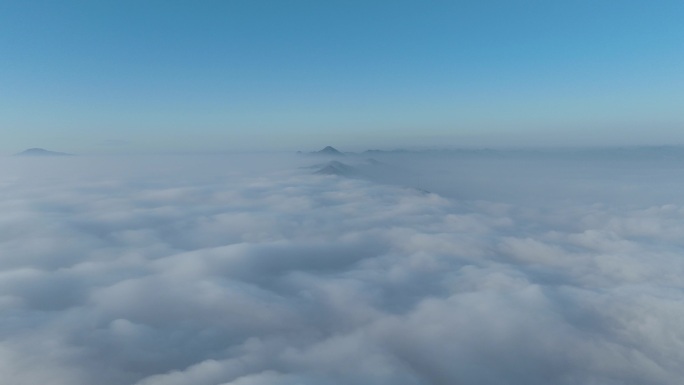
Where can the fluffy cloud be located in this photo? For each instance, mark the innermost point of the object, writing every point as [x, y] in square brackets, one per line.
[225, 270]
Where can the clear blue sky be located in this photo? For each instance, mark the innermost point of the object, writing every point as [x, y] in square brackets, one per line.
[164, 75]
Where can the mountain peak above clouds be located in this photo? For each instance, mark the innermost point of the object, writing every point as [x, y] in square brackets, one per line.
[41, 152]
[338, 168]
[329, 150]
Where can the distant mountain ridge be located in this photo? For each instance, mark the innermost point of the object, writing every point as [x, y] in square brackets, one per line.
[338, 168]
[328, 151]
[41, 152]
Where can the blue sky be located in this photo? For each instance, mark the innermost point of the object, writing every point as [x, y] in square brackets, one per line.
[121, 76]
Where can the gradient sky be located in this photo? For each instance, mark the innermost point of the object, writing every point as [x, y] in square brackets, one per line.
[159, 75]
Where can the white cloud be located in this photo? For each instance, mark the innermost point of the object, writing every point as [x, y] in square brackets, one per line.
[172, 271]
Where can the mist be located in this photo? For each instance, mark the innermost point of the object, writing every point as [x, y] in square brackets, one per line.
[416, 268]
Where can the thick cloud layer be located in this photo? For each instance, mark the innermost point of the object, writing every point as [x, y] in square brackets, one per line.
[246, 271]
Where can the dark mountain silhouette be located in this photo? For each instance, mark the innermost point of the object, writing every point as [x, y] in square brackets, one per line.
[338, 168]
[41, 152]
[329, 150]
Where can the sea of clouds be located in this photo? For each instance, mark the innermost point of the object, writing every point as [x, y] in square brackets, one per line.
[250, 270]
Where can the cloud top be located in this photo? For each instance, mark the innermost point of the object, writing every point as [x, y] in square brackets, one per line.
[225, 270]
